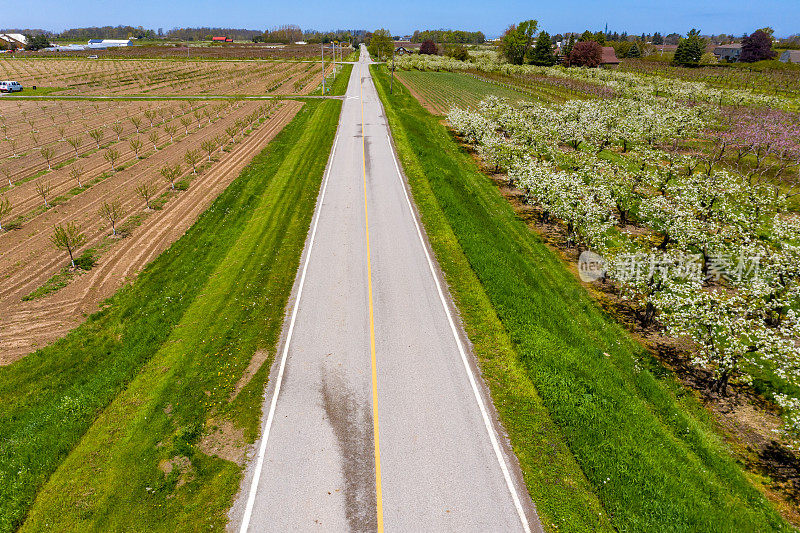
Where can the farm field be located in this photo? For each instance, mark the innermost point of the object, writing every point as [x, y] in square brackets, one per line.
[163, 77]
[441, 90]
[202, 51]
[28, 259]
[147, 407]
[624, 417]
[784, 81]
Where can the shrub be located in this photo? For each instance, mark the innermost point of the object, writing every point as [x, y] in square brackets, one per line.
[429, 48]
[457, 51]
[586, 54]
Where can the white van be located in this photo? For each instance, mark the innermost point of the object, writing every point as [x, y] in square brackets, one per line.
[10, 87]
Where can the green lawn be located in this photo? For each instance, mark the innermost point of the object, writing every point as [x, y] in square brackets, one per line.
[441, 90]
[564, 376]
[87, 421]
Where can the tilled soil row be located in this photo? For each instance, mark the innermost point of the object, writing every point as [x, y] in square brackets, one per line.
[20, 168]
[25, 326]
[24, 196]
[155, 77]
[24, 250]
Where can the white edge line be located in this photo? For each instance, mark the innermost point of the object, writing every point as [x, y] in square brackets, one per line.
[489, 427]
[251, 498]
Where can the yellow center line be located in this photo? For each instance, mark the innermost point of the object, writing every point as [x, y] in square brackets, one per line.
[378, 488]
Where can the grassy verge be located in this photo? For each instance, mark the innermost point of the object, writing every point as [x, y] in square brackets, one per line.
[353, 56]
[340, 83]
[107, 429]
[645, 446]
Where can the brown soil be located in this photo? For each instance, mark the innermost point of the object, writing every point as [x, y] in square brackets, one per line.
[226, 441]
[23, 195]
[258, 359]
[422, 100]
[27, 259]
[154, 77]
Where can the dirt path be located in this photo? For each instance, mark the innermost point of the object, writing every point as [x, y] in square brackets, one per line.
[26, 326]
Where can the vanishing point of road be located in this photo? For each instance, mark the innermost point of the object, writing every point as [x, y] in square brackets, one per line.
[376, 416]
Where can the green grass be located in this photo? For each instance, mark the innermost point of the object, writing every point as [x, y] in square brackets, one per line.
[86, 421]
[340, 83]
[444, 89]
[644, 444]
[353, 56]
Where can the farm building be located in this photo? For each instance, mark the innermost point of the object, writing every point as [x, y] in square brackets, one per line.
[728, 52]
[222, 39]
[790, 56]
[609, 56]
[108, 43]
[15, 40]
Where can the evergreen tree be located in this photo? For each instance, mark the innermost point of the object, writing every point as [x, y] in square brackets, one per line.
[542, 53]
[568, 46]
[690, 50]
[634, 51]
[658, 38]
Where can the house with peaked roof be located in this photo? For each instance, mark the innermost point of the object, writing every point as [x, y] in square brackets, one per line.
[790, 56]
[728, 52]
[608, 56]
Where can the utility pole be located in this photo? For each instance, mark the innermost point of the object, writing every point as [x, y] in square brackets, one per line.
[322, 49]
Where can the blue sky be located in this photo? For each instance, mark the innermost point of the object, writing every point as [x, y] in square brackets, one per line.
[403, 16]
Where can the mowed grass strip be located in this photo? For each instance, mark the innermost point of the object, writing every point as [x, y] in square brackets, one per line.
[103, 429]
[645, 445]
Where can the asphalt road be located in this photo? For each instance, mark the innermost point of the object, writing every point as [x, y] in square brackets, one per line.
[375, 415]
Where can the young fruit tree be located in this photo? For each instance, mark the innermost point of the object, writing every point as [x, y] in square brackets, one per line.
[7, 174]
[153, 137]
[47, 153]
[192, 157]
[43, 189]
[113, 212]
[136, 146]
[117, 129]
[171, 173]
[232, 131]
[76, 173]
[209, 146]
[170, 130]
[111, 156]
[137, 123]
[186, 122]
[68, 237]
[97, 136]
[146, 191]
[151, 116]
[5, 208]
[75, 143]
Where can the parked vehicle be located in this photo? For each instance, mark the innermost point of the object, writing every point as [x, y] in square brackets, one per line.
[10, 87]
[92, 57]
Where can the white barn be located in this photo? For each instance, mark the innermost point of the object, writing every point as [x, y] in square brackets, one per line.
[16, 39]
[108, 43]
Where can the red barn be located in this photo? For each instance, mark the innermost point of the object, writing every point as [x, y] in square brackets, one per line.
[222, 39]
